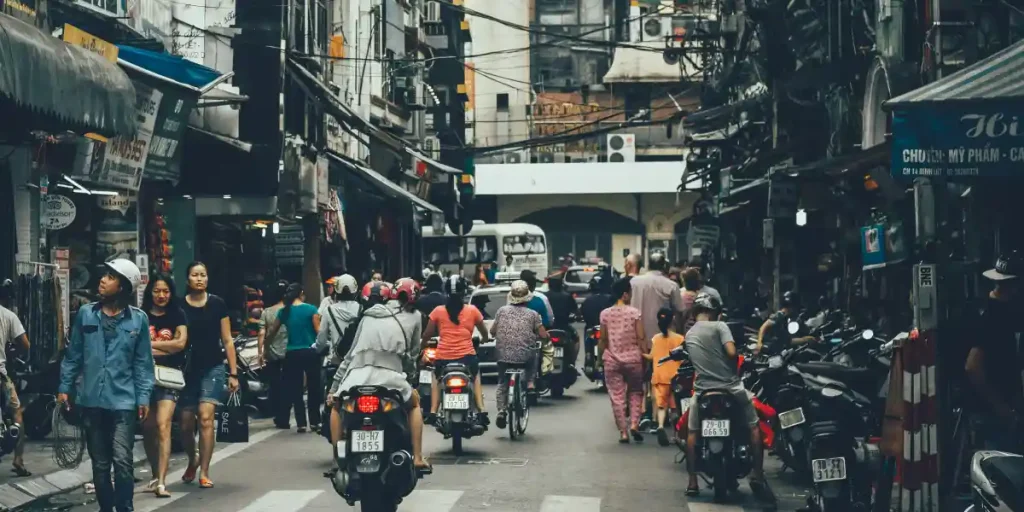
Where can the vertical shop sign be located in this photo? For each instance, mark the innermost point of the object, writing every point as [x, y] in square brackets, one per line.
[61, 256]
[125, 157]
[163, 162]
[323, 186]
[872, 246]
[142, 261]
[117, 232]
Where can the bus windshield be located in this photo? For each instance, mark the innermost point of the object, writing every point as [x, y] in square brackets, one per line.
[524, 244]
[445, 249]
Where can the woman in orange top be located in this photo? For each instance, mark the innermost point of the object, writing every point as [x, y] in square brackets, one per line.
[454, 324]
[661, 380]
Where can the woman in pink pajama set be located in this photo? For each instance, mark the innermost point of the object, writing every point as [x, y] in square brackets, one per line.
[621, 339]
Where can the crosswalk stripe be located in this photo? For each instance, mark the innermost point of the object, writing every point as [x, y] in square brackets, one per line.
[570, 504]
[430, 501]
[228, 451]
[151, 504]
[282, 501]
[712, 507]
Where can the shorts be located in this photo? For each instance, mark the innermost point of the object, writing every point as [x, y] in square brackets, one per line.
[472, 361]
[205, 386]
[742, 396]
[663, 396]
[13, 402]
[164, 394]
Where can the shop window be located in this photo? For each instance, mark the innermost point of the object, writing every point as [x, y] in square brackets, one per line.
[502, 102]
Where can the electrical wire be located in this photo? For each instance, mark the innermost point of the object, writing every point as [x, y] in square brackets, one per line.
[68, 438]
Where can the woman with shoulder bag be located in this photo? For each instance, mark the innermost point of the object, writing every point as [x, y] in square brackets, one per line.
[169, 334]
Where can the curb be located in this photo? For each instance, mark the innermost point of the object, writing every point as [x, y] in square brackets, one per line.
[23, 494]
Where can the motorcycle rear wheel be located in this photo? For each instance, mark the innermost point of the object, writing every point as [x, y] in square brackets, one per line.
[722, 484]
[376, 500]
[457, 444]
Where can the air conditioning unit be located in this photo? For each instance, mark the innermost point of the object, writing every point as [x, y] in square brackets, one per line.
[432, 147]
[515, 157]
[546, 158]
[560, 158]
[656, 28]
[584, 159]
[621, 147]
[432, 12]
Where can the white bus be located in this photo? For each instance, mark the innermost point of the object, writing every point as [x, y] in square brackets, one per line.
[486, 244]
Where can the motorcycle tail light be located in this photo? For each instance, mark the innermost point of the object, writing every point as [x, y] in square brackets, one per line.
[455, 390]
[368, 404]
[430, 353]
[556, 339]
[455, 382]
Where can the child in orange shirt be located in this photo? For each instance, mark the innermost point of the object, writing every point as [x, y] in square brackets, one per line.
[661, 379]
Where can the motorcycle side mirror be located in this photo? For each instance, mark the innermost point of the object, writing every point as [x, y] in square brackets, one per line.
[752, 347]
[794, 327]
[867, 334]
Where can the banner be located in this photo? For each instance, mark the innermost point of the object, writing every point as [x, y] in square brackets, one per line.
[872, 246]
[164, 162]
[117, 228]
[124, 158]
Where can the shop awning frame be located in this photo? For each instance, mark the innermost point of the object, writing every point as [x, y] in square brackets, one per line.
[337, 108]
[65, 82]
[388, 187]
[999, 77]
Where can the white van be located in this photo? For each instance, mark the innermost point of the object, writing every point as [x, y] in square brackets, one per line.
[488, 243]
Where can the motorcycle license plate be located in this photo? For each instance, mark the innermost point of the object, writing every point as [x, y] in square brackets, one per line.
[426, 377]
[714, 428]
[559, 352]
[792, 418]
[458, 402]
[367, 441]
[828, 470]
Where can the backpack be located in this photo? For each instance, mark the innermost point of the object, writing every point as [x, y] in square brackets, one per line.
[348, 335]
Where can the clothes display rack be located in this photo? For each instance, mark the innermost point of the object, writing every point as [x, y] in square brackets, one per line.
[37, 302]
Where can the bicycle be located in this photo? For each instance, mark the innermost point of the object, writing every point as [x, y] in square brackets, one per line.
[518, 408]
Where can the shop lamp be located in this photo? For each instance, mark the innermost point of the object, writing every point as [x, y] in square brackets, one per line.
[263, 232]
[801, 217]
[277, 228]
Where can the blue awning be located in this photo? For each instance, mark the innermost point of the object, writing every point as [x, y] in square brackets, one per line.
[169, 68]
[998, 77]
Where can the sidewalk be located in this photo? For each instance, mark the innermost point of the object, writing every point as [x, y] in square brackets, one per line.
[47, 480]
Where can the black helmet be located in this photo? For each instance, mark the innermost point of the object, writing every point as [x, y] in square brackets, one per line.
[706, 301]
[790, 299]
[6, 289]
[456, 285]
[595, 283]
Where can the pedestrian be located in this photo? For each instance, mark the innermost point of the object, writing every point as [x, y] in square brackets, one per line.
[110, 350]
[620, 347]
[632, 265]
[661, 379]
[168, 334]
[516, 329]
[432, 296]
[271, 354]
[330, 287]
[12, 331]
[301, 362]
[205, 376]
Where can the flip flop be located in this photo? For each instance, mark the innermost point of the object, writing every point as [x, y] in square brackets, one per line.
[20, 471]
[151, 486]
[161, 492]
[190, 474]
[205, 483]
[426, 469]
[692, 491]
[637, 436]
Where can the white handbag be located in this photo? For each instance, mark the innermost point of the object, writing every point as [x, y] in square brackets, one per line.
[169, 378]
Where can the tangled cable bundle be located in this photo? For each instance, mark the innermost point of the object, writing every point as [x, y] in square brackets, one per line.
[68, 438]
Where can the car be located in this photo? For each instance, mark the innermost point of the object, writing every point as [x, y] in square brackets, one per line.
[577, 279]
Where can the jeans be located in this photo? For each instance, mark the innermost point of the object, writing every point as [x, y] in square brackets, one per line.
[110, 436]
[298, 364]
[272, 374]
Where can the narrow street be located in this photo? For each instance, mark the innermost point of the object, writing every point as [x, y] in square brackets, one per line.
[569, 461]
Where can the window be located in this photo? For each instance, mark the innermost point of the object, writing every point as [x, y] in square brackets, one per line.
[445, 250]
[581, 276]
[503, 102]
[488, 303]
[524, 244]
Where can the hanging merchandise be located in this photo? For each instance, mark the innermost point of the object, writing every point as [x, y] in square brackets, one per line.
[37, 302]
[161, 251]
[333, 218]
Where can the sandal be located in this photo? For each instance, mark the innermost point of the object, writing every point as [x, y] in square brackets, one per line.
[20, 471]
[636, 435]
[425, 469]
[152, 485]
[693, 491]
[205, 483]
[161, 491]
[190, 473]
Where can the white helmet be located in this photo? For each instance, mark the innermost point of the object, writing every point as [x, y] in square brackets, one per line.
[346, 282]
[128, 270]
[427, 272]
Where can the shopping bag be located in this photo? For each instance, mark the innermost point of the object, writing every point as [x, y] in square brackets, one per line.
[233, 421]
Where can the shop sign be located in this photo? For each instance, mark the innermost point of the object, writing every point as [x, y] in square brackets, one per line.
[78, 37]
[872, 246]
[164, 160]
[958, 141]
[117, 228]
[59, 212]
[124, 158]
[24, 10]
[142, 261]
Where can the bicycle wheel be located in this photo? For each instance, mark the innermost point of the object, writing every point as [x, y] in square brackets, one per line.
[512, 408]
[523, 409]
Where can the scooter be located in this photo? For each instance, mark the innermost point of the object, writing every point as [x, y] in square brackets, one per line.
[563, 373]
[375, 460]
[426, 377]
[9, 430]
[997, 482]
[457, 413]
[254, 387]
[593, 367]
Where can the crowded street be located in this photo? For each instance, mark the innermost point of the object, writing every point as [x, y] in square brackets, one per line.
[567, 462]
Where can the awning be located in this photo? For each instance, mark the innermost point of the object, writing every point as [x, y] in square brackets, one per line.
[68, 83]
[337, 108]
[970, 129]
[171, 69]
[637, 64]
[388, 187]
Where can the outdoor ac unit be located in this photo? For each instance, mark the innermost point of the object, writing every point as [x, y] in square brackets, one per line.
[432, 147]
[515, 157]
[546, 158]
[432, 12]
[657, 28]
[559, 158]
[584, 159]
[621, 147]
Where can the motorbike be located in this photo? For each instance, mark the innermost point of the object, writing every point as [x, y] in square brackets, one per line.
[327, 372]
[254, 387]
[426, 377]
[563, 373]
[9, 430]
[593, 367]
[996, 482]
[456, 413]
[375, 460]
[37, 391]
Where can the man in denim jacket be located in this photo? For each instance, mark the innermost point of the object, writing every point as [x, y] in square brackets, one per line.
[110, 350]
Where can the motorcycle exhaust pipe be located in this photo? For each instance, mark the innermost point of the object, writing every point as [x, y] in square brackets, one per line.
[14, 431]
[340, 483]
[399, 473]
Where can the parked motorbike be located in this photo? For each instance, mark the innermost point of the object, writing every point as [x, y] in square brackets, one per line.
[457, 413]
[593, 367]
[37, 390]
[254, 387]
[997, 482]
[375, 461]
[9, 430]
[563, 372]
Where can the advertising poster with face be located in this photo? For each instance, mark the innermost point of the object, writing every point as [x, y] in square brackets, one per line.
[117, 228]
